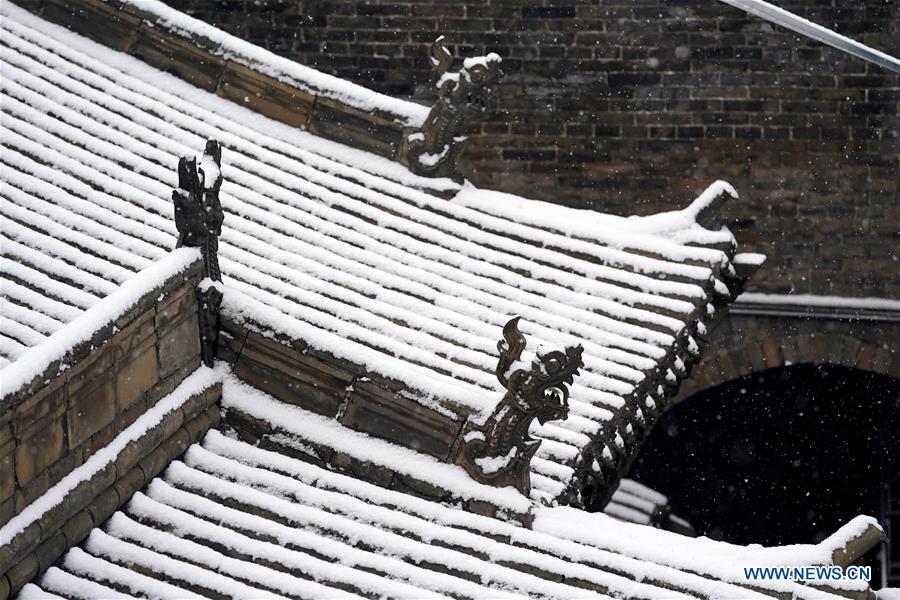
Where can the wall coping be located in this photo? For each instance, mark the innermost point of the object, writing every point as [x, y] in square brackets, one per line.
[40, 364]
[809, 306]
[230, 47]
[198, 381]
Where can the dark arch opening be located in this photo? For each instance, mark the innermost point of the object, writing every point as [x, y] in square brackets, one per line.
[779, 457]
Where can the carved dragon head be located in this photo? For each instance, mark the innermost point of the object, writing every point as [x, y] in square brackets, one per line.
[469, 89]
[541, 387]
[198, 212]
[499, 449]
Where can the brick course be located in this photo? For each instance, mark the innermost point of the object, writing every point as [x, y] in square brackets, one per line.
[633, 107]
[747, 343]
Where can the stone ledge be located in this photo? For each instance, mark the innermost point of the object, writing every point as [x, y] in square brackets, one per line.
[261, 433]
[294, 373]
[43, 542]
[52, 426]
[80, 352]
[749, 344]
[265, 95]
[337, 121]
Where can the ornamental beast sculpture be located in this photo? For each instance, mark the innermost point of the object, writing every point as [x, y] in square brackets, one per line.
[499, 451]
[198, 212]
[434, 149]
[198, 219]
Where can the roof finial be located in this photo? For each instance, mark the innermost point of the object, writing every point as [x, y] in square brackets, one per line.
[499, 451]
[198, 212]
[435, 148]
[198, 219]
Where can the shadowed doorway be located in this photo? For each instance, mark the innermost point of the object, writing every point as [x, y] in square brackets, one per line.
[784, 456]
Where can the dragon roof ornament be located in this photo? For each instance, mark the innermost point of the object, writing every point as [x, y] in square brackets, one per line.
[435, 148]
[198, 219]
[499, 450]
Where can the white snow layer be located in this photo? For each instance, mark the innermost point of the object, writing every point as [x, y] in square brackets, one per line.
[820, 301]
[331, 245]
[35, 359]
[198, 381]
[700, 555]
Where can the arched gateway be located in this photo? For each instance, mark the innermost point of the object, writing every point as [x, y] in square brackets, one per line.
[790, 422]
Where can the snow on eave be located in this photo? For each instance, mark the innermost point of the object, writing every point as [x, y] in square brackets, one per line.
[720, 560]
[233, 48]
[626, 513]
[814, 300]
[852, 531]
[636, 488]
[623, 233]
[36, 359]
[685, 226]
[750, 259]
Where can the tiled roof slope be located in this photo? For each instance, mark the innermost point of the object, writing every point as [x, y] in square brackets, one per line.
[636, 503]
[342, 249]
[231, 519]
[218, 62]
[235, 520]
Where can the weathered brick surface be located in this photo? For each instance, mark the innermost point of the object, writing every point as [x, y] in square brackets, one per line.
[360, 129]
[322, 383]
[55, 423]
[271, 98]
[95, 19]
[181, 57]
[633, 107]
[138, 366]
[177, 328]
[388, 415]
[39, 451]
[90, 409]
[746, 344]
[292, 376]
[23, 571]
[95, 499]
[7, 470]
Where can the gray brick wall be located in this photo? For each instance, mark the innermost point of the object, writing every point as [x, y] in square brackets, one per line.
[633, 106]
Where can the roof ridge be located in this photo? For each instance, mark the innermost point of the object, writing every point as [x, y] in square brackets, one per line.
[244, 73]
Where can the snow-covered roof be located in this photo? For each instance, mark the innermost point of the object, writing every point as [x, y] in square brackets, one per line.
[230, 47]
[339, 248]
[348, 253]
[235, 520]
